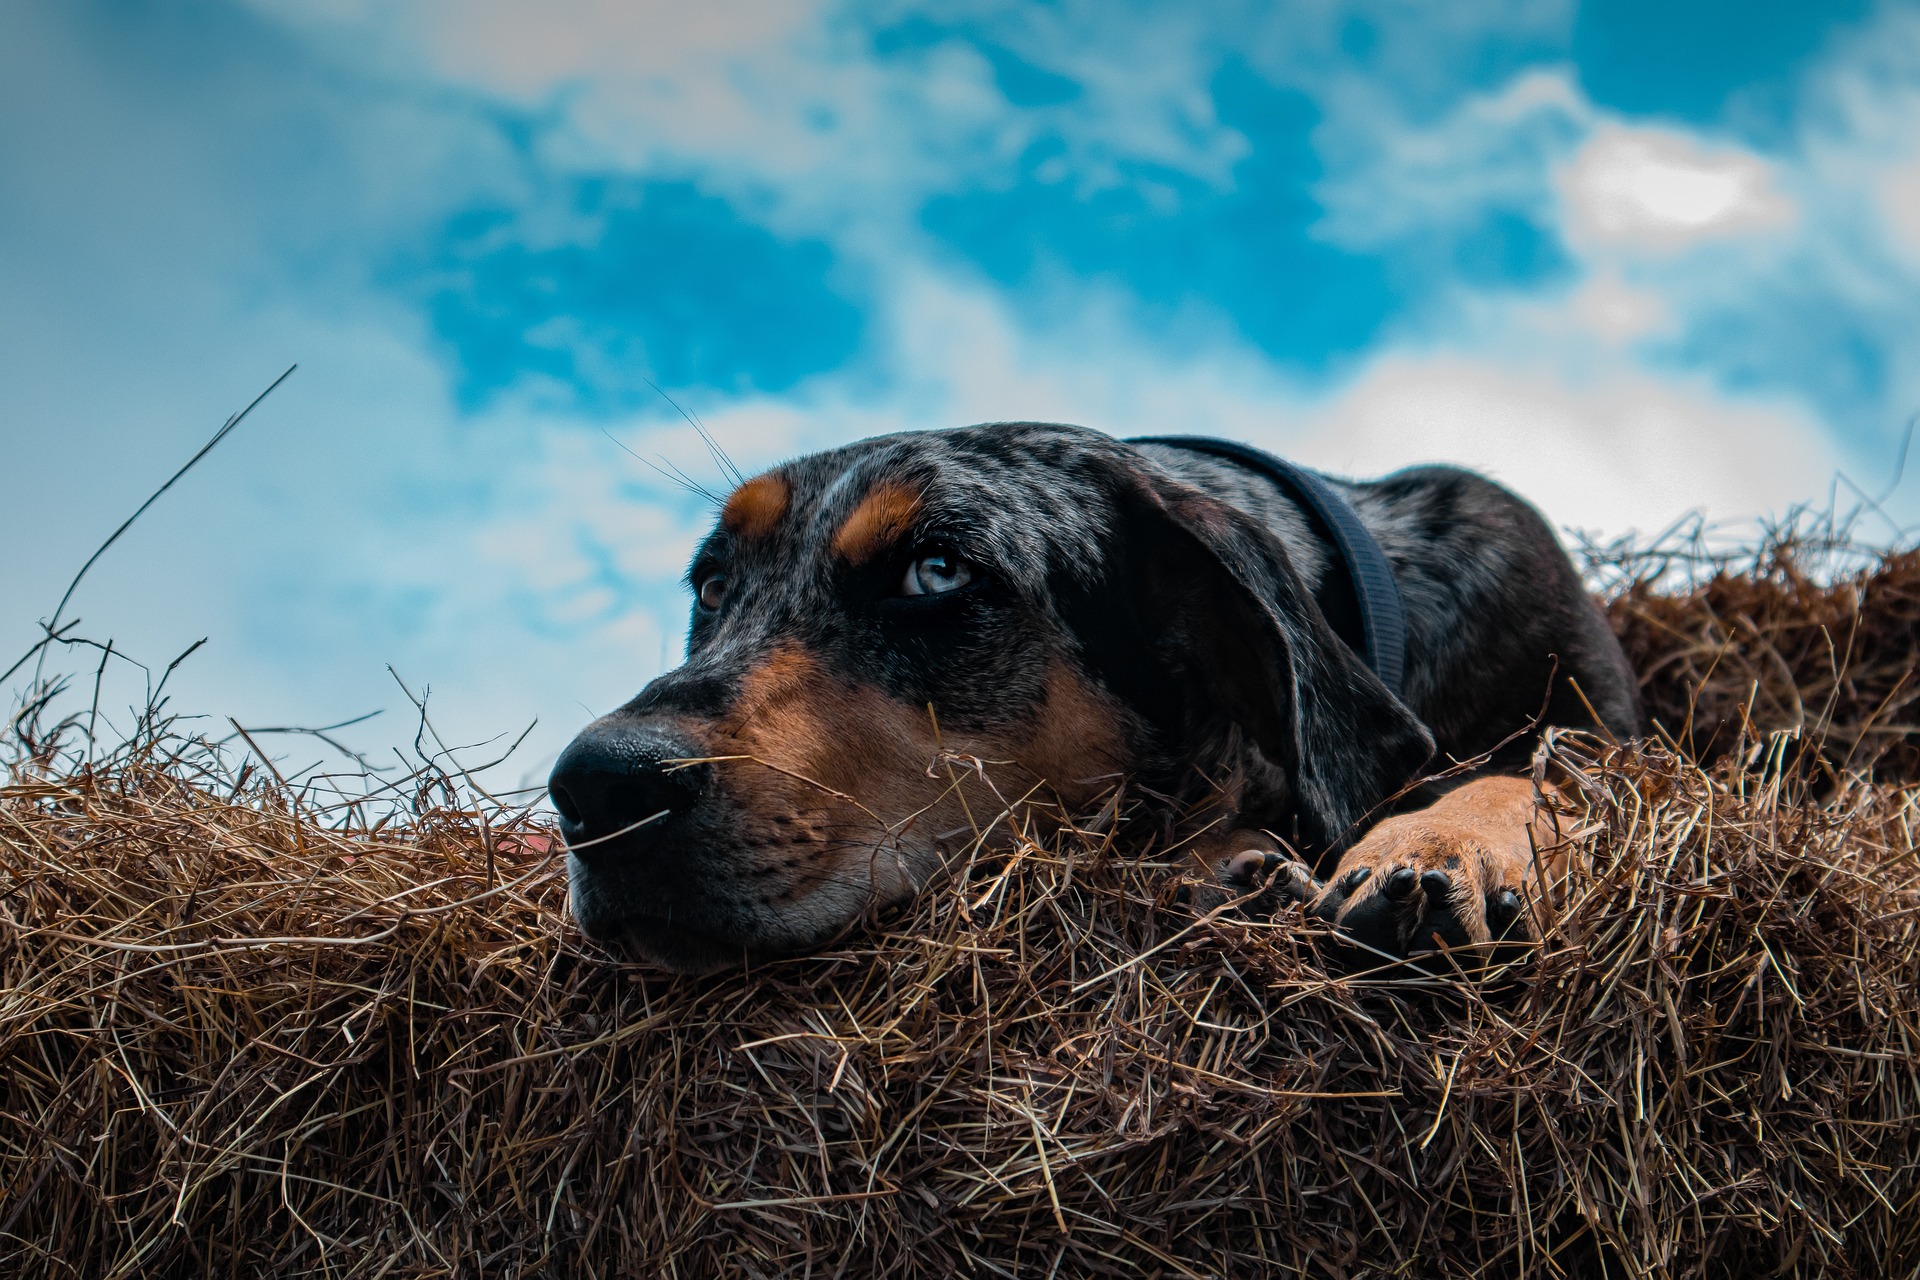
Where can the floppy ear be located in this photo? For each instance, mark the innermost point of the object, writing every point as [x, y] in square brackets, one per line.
[1233, 641]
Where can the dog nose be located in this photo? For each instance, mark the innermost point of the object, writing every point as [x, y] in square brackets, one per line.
[615, 782]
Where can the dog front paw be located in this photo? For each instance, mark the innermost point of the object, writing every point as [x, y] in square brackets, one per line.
[1403, 906]
[1459, 876]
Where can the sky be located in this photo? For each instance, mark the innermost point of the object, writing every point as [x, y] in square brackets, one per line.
[1633, 259]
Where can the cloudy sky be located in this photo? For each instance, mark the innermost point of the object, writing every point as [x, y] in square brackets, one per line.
[1633, 258]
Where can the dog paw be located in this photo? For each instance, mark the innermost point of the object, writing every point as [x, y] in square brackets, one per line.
[1276, 878]
[1458, 876]
[1259, 878]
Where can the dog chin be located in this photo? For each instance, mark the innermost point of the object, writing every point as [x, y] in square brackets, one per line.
[675, 945]
[657, 941]
[677, 950]
[694, 942]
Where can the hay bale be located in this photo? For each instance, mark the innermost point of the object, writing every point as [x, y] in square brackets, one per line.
[236, 1038]
[1805, 632]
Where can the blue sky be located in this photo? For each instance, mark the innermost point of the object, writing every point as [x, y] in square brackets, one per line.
[1633, 258]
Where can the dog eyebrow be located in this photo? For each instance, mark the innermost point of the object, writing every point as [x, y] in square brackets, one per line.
[882, 517]
[756, 506]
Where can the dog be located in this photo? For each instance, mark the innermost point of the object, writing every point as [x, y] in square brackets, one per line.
[881, 629]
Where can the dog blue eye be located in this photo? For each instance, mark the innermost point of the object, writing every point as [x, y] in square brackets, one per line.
[935, 574]
[713, 590]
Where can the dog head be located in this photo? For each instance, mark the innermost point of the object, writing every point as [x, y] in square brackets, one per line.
[892, 641]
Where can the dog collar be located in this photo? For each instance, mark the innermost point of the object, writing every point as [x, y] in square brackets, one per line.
[1383, 617]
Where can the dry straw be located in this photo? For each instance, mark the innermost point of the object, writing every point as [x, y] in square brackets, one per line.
[241, 1034]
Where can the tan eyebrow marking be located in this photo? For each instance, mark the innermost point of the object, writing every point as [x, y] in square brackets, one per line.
[756, 506]
[881, 518]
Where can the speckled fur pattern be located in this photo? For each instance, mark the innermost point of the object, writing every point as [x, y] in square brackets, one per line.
[1146, 612]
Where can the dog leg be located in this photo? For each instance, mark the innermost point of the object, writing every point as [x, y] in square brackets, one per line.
[1461, 873]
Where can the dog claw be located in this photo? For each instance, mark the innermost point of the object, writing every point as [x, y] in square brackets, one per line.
[1503, 911]
[1250, 867]
[1439, 887]
[1399, 885]
[1296, 883]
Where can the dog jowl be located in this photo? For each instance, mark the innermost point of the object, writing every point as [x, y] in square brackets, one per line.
[1060, 607]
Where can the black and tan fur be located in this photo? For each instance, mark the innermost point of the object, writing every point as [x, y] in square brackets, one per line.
[1135, 610]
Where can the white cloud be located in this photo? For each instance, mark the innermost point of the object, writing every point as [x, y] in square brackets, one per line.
[1899, 192]
[1523, 393]
[1616, 311]
[1622, 450]
[754, 91]
[1862, 142]
[786, 103]
[1389, 178]
[1662, 189]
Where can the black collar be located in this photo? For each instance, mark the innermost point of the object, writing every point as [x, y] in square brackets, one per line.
[1370, 591]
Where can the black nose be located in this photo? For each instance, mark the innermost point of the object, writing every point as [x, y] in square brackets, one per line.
[616, 784]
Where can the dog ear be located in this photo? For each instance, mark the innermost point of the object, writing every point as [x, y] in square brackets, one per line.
[1236, 646]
